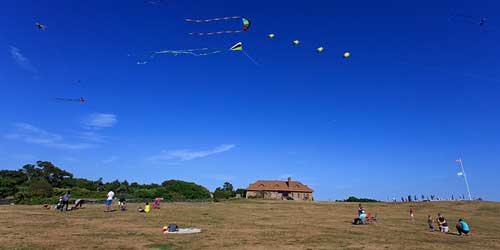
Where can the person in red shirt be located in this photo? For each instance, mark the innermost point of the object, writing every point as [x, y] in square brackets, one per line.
[411, 213]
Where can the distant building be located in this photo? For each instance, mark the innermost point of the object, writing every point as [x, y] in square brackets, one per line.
[279, 190]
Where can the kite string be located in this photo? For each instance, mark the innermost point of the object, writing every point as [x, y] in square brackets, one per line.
[249, 57]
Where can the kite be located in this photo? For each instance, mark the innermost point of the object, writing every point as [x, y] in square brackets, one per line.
[196, 52]
[320, 49]
[245, 25]
[481, 21]
[271, 35]
[40, 26]
[347, 55]
[296, 42]
[81, 99]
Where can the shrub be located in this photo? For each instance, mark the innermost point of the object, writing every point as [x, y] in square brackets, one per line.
[40, 188]
[355, 199]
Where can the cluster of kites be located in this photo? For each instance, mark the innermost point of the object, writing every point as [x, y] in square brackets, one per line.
[244, 26]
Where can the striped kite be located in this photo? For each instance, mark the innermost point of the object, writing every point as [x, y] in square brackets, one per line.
[245, 25]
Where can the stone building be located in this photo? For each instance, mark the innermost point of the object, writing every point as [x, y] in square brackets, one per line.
[279, 190]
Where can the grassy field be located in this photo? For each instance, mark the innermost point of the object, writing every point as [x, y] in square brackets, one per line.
[252, 224]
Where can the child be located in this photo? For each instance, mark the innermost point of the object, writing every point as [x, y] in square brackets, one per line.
[411, 214]
[123, 204]
[146, 208]
[429, 222]
[156, 205]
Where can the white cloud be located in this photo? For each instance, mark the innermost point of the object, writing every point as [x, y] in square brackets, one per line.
[186, 154]
[110, 160]
[30, 134]
[21, 60]
[99, 120]
[92, 136]
[221, 177]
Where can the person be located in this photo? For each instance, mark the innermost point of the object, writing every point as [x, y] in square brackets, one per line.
[412, 216]
[79, 203]
[109, 200]
[362, 217]
[146, 208]
[123, 204]
[443, 224]
[360, 209]
[156, 205]
[65, 200]
[462, 227]
[429, 222]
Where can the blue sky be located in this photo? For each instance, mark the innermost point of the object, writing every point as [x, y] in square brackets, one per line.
[417, 91]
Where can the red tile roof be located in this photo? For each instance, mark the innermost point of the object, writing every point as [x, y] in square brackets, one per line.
[294, 186]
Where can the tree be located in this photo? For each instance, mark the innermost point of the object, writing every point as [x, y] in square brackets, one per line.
[53, 174]
[225, 192]
[99, 185]
[9, 181]
[113, 185]
[241, 192]
[31, 171]
[227, 187]
[46, 170]
[355, 199]
[40, 188]
[184, 190]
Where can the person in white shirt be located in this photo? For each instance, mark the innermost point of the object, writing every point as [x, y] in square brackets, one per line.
[109, 200]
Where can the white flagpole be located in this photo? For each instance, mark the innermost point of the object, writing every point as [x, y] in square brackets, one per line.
[465, 178]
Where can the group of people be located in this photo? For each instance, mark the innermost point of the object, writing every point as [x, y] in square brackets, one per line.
[63, 204]
[123, 204]
[462, 226]
[363, 217]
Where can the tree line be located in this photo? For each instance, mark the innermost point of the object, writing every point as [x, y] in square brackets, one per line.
[45, 183]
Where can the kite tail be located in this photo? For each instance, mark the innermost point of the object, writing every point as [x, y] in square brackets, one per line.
[68, 99]
[215, 33]
[211, 19]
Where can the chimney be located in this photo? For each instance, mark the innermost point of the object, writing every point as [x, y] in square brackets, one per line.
[289, 182]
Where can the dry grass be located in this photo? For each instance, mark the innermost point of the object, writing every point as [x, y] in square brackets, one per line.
[249, 224]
